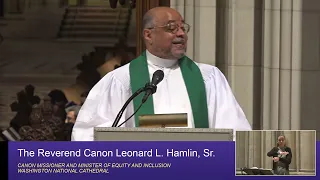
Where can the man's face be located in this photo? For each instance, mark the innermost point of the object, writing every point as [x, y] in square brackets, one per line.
[71, 117]
[168, 39]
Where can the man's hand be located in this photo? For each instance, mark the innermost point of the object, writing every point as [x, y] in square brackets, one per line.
[275, 159]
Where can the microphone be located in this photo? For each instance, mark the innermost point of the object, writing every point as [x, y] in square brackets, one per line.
[151, 88]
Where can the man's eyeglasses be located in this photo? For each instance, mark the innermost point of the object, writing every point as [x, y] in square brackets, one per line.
[174, 27]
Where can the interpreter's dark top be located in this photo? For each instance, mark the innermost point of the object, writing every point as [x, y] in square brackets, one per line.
[285, 161]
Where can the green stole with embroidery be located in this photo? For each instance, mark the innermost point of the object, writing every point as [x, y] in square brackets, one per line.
[139, 76]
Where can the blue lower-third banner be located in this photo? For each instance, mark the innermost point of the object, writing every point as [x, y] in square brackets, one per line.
[124, 160]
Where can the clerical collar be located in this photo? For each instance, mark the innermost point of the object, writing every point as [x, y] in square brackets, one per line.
[157, 61]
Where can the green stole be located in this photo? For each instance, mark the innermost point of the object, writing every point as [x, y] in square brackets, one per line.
[139, 76]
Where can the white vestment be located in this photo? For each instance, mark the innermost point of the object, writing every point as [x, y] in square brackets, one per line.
[108, 96]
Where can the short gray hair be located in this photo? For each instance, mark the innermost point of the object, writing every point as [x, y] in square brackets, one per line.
[75, 108]
[147, 22]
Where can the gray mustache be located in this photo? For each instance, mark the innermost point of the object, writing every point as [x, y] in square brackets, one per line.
[179, 40]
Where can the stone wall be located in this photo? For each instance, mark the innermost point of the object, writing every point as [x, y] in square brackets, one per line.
[269, 52]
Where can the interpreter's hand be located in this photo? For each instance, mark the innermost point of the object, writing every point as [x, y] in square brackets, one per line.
[284, 153]
[276, 159]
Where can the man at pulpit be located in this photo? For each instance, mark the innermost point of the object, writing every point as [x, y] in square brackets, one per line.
[200, 90]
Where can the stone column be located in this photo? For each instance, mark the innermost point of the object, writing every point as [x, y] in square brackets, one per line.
[240, 149]
[267, 146]
[309, 64]
[291, 142]
[297, 155]
[268, 50]
[281, 47]
[257, 147]
[236, 43]
[251, 149]
[290, 66]
[270, 63]
[307, 154]
[296, 65]
[285, 64]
